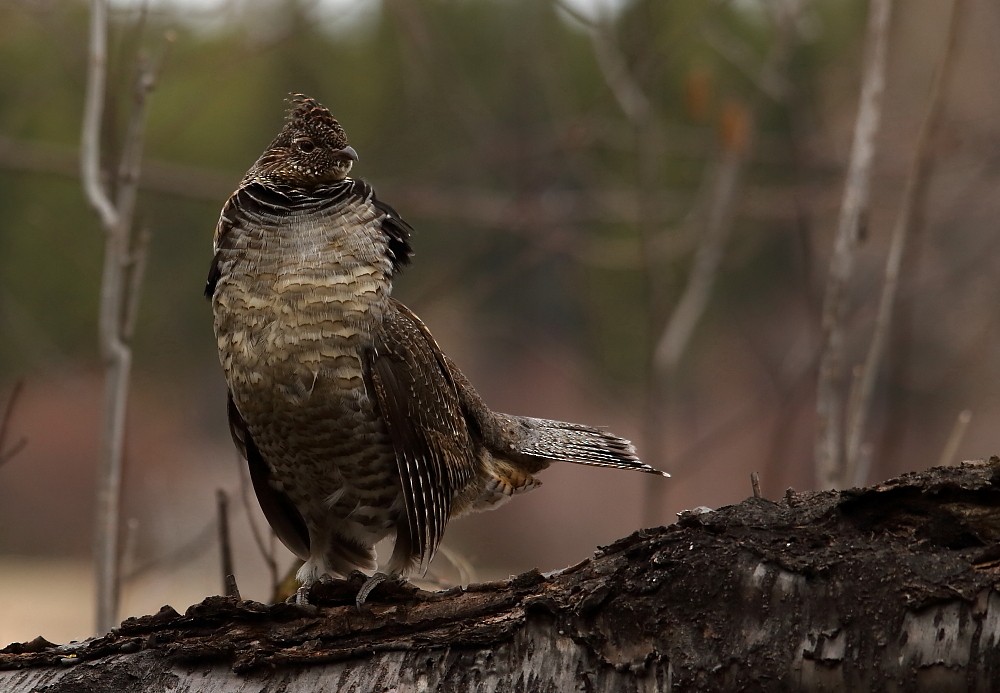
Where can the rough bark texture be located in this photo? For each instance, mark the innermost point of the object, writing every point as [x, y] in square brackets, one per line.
[892, 587]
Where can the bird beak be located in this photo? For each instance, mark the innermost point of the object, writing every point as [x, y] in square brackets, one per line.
[348, 153]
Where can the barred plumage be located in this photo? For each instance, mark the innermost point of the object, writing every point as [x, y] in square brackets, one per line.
[354, 423]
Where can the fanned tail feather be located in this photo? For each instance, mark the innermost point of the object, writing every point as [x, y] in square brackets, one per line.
[561, 441]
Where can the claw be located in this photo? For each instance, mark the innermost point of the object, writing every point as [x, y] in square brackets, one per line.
[370, 584]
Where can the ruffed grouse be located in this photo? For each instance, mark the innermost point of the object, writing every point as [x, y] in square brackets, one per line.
[353, 421]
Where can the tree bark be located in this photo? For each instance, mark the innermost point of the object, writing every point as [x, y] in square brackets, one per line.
[892, 587]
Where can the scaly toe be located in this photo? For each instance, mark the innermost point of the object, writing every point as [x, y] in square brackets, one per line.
[370, 584]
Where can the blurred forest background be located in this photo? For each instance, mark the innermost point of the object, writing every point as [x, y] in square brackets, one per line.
[563, 165]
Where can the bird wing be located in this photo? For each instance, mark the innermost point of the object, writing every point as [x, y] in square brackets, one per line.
[278, 508]
[419, 403]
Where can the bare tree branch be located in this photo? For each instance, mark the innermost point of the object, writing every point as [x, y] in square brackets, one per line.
[466, 571]
[136, 270]
[913, 194]
[121, 273]
[829, 460]
[736, 129]
[955, 439]
[93, 112]
[769, 81]
[130, 549]
[106, 538]
[8, 412]
[691, 305]
[429, 55]
[638, 110]
[667, 349]
[763, 201]
[266, 552]
[200, 543]
[629, 95]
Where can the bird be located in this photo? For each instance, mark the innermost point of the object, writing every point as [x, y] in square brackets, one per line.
[354, 423]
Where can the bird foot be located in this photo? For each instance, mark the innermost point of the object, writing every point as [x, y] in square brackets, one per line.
[302, 593]
[370, 584]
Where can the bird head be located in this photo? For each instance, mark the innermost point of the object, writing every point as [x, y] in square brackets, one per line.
[310, 150]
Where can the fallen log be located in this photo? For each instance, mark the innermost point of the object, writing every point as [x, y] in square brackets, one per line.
[892, 587]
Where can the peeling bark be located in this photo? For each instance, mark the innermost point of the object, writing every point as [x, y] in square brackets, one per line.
[892, 587]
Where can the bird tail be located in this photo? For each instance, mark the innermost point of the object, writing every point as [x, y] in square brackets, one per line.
[559, 441]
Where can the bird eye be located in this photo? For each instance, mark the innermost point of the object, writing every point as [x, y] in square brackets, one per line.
[305, 145]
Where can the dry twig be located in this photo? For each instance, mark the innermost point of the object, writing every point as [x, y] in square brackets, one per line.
[225, 544]
[230, 588]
